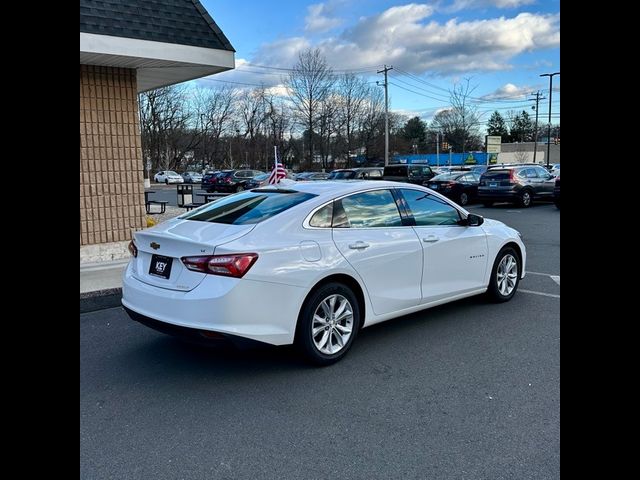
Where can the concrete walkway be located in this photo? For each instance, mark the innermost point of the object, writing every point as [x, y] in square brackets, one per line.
[101, 282]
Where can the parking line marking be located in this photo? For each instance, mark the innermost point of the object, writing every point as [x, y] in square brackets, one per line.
[543, 274]
[539, 293]
[556, 278]
[514, 211]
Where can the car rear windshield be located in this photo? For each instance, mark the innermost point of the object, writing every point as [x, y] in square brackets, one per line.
[399, 171]
[342, 175]
[496, 174]
[248, 208]
[446, 176]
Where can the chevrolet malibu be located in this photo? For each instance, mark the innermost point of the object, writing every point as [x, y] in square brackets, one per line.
[313, 264]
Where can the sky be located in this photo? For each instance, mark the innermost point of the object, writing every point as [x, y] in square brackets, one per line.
[501, 46]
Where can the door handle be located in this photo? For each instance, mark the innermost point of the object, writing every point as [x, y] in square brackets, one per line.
[430, 239]
[358, 245]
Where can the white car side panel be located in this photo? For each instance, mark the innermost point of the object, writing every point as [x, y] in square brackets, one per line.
[455, 261]
[498, 235]
[262, 311]
[393, 253]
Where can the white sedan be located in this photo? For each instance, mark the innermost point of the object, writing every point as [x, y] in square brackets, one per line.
[313, 263]
[168, 176]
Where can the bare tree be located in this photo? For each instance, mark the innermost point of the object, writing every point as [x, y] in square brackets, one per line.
[279, 123]
[353, 93]
[310, 83]
[460, 123]
[371, 124]
[166, 124]
[215, 108]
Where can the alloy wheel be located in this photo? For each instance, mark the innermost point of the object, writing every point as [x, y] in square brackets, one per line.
[507, 275]
[332, 324]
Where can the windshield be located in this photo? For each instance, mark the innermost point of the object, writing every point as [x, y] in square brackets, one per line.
[172, 174]
[261, 177]
[248, 208]
[446, 176]
[342, 175]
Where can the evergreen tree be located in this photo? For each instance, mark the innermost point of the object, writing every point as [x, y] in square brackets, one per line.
[497, 126]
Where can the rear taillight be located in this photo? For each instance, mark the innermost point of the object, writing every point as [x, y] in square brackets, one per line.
[512, 176]
[234, 265]
[227, 180]
[133, 250]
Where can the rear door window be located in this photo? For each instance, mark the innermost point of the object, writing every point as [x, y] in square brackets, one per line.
[367, 209]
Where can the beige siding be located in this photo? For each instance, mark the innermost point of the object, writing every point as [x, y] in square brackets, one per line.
[111, 183]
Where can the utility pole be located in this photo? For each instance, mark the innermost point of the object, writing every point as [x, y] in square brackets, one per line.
[386, 114]
[535, 129]
[550, 75]
[437, 149]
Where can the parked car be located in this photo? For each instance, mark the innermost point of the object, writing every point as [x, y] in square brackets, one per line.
[167, 176]
[232, 180]
[262, 180]
[192, 177]
[520, 184]
[311, 176]
[411, 173]
[461, 187]
[363, 173]
[555, 169]
[556, 192]
[314, 263]
[208, 180]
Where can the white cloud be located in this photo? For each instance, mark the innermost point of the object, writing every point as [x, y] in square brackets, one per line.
[509, 92]
[458, 5]
[320, 18]
[405, 37]
[399, 37]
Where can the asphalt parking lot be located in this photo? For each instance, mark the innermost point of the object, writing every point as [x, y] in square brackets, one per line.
[468, 390]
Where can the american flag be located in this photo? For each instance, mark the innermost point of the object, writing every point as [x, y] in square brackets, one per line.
[277, 173]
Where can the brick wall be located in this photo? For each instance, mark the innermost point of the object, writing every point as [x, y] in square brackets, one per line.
[111, 183]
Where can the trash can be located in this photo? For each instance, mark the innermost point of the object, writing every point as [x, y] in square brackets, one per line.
[185, 194]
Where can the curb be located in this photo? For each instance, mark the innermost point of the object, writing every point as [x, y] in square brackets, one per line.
[100, 300]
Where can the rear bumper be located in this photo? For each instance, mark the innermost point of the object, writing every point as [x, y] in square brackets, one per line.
[262, 311]
[496, 196]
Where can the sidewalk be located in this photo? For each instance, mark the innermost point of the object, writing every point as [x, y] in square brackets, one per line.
[101, 282]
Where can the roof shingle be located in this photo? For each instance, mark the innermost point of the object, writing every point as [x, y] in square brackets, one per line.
[184, 22]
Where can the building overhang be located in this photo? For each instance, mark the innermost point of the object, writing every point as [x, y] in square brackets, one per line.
[158, 64]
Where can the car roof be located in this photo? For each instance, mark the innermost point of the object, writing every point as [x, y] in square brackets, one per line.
[332, 188]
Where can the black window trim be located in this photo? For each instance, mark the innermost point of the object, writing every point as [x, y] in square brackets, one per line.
[307, 219]
[442, 198]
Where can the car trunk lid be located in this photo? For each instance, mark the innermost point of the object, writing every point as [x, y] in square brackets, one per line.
[161, 247]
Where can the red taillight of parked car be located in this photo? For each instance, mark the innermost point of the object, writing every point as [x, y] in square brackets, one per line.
[234, 265]
[133, 250]
[512, 175]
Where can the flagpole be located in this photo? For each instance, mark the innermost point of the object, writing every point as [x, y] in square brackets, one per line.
[275, 164]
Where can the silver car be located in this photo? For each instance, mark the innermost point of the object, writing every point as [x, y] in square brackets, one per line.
[192, 177]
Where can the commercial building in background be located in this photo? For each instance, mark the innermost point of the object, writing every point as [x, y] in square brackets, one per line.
[128, 47]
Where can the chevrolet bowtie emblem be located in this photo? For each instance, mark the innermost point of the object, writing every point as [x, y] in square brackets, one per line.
[154, 245]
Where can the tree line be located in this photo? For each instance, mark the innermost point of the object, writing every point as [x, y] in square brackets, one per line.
[323, 120]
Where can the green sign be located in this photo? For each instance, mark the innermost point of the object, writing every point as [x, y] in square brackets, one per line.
[493, 158]
[470, 160]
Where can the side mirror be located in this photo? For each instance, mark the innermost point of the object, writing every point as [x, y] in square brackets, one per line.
[474, 220]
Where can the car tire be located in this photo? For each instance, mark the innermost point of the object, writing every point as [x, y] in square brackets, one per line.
[327, 301]
[166, 181]
[487, 204]
[464, 199]
[239, 188]
[503, 286]
[526, 199]
[557, 202]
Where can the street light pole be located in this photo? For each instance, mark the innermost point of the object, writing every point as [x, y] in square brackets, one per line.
[550, 75]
